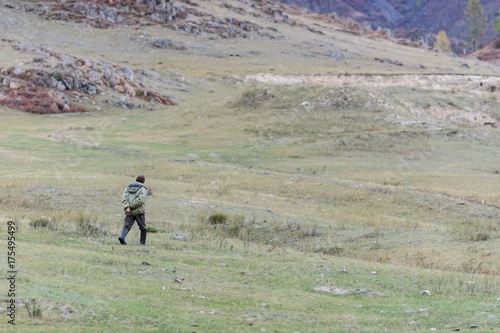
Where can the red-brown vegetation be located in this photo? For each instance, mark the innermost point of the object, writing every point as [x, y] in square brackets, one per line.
[39, 102]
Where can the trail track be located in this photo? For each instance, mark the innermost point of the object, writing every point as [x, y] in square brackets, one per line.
[425, 81]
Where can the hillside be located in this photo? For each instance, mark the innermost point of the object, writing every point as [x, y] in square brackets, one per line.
[305, 174]
[405, 15]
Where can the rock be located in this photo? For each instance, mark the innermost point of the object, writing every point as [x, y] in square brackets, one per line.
[108, 72]
[365, 26]
[127, 72]
[95, 77]
[89, 89]
[53, 82]
[169, 270]
[68, 82]
[162, 43]
[13, 85]
[127, 105]
[60, 85]
[18, 71]
[53, 108]
[167, 44]
[426, 293]
[102, 229]
[341, 291]
[68, 311]
[129, 89]
[58, 98]
[112, 82]
[180, 237]
[77, 84]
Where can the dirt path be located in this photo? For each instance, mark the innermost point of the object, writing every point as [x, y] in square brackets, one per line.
[431, 81]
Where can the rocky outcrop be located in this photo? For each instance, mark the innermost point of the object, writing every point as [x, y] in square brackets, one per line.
[188, 17]
[36, 89]
[184, 15]
[105, 13]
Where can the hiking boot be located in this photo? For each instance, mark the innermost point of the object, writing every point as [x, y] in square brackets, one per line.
[143, 237]
[122, 236]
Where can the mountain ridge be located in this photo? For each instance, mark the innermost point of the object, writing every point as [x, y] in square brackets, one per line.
[405, 14]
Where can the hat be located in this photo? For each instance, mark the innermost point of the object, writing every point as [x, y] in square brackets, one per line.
[140, 179]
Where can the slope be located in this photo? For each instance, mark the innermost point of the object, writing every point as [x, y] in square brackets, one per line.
[347, 173]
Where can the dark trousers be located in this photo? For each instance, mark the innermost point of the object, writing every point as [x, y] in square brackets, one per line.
[141, 221]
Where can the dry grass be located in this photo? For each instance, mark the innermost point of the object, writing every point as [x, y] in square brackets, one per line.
[309, 178]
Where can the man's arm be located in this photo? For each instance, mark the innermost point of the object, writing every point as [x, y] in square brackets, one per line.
[125, 202]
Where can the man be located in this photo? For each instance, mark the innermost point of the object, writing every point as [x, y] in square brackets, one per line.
[134, 204]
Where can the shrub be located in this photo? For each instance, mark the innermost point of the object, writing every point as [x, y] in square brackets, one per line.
[154, 230]
[33, 309]
[479, 236]
[40, 222]
[217, 218]
[86, 224]
[334, 250]
[275, 233]
[34, 101]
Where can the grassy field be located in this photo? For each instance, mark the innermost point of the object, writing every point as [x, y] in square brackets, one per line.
[375, 193]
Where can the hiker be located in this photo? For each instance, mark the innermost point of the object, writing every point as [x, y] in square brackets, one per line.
[134, 205]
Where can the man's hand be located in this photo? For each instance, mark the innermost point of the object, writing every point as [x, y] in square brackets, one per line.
[127, 210]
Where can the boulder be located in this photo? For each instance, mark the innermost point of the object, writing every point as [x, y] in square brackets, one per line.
[108, 72]
[61, 86]
[129, 89]
[89, 89]
[127, 73]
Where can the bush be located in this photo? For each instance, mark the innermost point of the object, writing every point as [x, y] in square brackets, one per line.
[334, 250]
[275, 233]
[33, 309]
[40, 222]
[86, 225]
[36, 102]
[479, 236]
[154, 230]
[217, 218]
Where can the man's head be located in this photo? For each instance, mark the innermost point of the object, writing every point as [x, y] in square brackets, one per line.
[140, 179]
